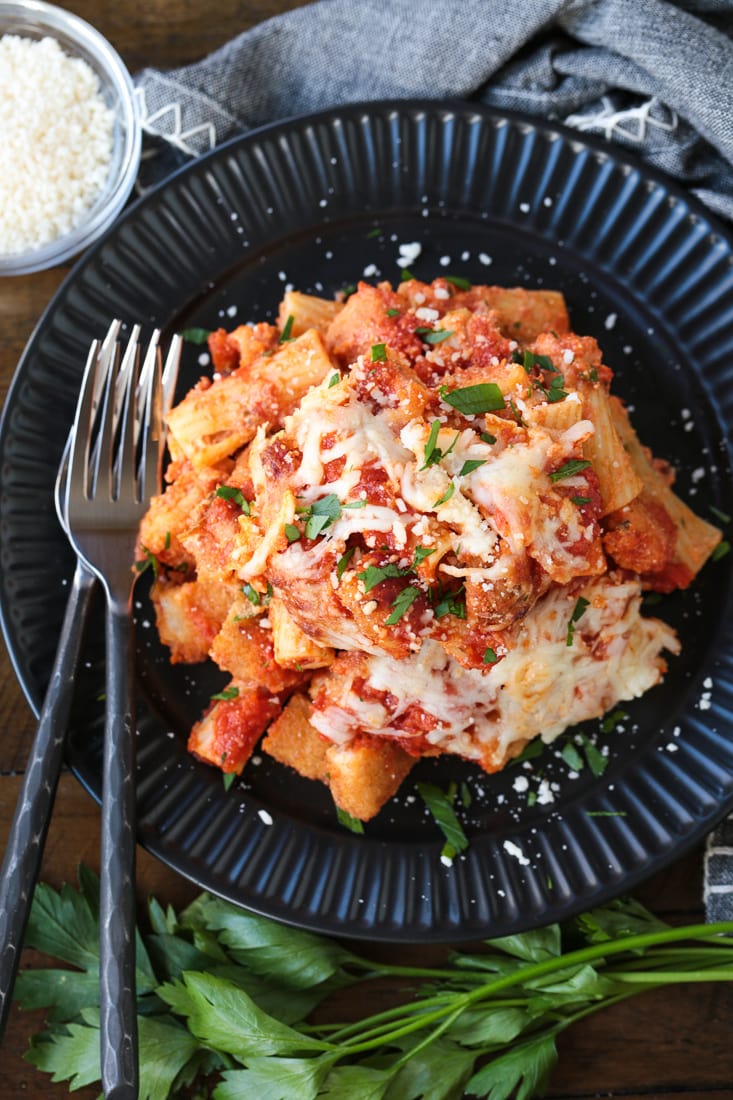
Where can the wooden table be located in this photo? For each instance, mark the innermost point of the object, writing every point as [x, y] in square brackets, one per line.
[661, 1046]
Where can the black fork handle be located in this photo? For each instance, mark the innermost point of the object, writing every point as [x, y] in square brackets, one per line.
[118, 1017]
[35, 802]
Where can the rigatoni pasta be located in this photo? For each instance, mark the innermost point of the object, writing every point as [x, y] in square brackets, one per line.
[412, 523]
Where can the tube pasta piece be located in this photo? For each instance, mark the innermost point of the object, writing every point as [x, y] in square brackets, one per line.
[300, 312]
[292, 647]
[695, 538]
[293, 741]
[244, 647]
[619, 480]
[227, 734]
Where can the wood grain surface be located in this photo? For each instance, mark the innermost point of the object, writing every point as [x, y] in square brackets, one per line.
[661, 1046]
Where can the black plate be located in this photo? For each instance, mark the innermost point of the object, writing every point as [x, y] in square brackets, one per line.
[318, 203]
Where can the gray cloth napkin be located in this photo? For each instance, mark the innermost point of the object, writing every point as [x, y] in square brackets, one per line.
[653, 75]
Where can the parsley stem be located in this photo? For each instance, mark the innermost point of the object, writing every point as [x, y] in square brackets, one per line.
[669, 977]
[383, 1021]
[409, 1027]
[429, 1038]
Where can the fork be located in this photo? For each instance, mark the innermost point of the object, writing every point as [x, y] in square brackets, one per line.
[29, 827]
[115, 458]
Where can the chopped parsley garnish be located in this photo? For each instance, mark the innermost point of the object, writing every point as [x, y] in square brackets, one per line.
[605, 813]
[373, 233]
[487, 437]
[446, 495]
[334, 380]
[555, 392]
[421, 553]
[451, 603]
[292, 533]
[148, 561]
[320, 514]
[597, 762]
[470, 465]
[252, 594]
[581, 604]
[226, 693]
[406, 275]
[379, 353]
[354, 504]
[433, 453]
[348, 290]
[475, 400]
[466, 796]
[722, 516]
[286, 333]
[611, 720]
[349, 822]
[440, 806]
[343, 563]
[530, 752]
[490, 657]
[402, 602]
[195, 335]
[720, 550]
[229, 492]
[529, 361]
[375, 574]
[570, 469]
[572, 757]
[432, 335]
[459, 282]
[393, 312]
[580, 500]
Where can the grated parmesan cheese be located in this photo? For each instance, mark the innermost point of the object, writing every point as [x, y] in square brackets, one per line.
[57, 138]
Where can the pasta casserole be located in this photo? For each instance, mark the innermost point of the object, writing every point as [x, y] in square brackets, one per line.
[410, 523]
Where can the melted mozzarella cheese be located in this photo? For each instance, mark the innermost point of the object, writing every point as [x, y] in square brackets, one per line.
[540, 688]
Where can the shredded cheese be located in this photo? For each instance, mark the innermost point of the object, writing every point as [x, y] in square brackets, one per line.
[57, 139]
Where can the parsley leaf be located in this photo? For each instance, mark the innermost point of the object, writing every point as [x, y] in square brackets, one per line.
[440, 806]
[375, 574]
[195, 335]
[402, 602]
[379, 353]
[451, 603]
[343, 563]
[475, 400]
[569, 469]
[286, 333]
[292, 534]
[354, 824]
[581, 605]
[229, 492]
[433, 335]
[226, 693]
[148, 561]
[470, 465]
[459, 282]
[446, 495]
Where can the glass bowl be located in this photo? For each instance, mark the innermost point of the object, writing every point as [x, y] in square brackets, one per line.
[77, 38]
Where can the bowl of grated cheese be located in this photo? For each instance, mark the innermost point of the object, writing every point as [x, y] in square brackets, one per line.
[70, 136]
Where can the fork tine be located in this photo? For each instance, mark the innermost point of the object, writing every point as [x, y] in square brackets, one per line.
[99, 362]
[154, 403]
[150, 410]
[170, 372]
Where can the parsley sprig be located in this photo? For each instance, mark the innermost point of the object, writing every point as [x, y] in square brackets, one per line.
[225, 996]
